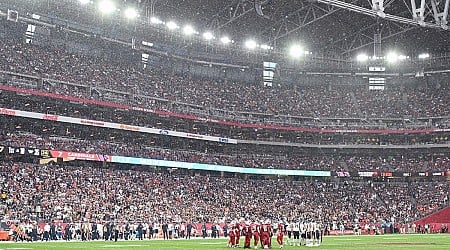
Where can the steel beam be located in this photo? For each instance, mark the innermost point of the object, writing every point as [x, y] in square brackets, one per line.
[440, 14]
[307, 13]
[378, 5]
[230, 13]
[439, 24]
[268, 31]
[418, 13]
[365, 36]
[299, 19]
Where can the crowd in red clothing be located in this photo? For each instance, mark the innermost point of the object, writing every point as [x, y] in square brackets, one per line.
[120, 193]
[128, 83]
[46, 105]
[84, 192]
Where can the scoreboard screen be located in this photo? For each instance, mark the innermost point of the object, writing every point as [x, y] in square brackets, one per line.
[377, 81]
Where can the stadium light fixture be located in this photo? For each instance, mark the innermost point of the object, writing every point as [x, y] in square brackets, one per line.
[424, 56]
[172, 25]
[265, 47]
[362, 58]
[208, 35]
[392, 57]
[131, 13]
[106, 6]
[296, 51]
[225, 40]
[402, 57]
[155, 20]
[84, 1]
[250, 44]
[188, 30]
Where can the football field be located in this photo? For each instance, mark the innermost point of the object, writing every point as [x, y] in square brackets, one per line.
[433, 241]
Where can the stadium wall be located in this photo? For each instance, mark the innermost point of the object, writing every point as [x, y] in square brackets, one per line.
[436, 220]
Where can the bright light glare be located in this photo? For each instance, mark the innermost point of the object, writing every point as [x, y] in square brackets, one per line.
[155, 20]
[362, 58]
[264, 46]
[106, 6]
[208, 35]
[225, 40]
[250, 44]
[131, 13]
[424, 56]
[402, 57]
[296, 51]
[188, 30]
[392, 57]
[172, 25]
[84, 1]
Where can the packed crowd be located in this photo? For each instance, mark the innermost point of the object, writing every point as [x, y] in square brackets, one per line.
[214, 96]
[86, 193]
[133, 117]
[235, 155]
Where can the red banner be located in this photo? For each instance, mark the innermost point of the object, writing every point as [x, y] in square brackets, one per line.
[80, 156]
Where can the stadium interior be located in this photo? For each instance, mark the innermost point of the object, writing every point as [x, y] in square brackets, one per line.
[131, 111]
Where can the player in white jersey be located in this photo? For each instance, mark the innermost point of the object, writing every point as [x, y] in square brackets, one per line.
[303, 233]
[309, 233]
[316, 233]
[289, 227]
[296, 233]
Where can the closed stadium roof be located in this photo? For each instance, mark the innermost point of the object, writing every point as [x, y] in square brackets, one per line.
[319, 25]
[328, 26]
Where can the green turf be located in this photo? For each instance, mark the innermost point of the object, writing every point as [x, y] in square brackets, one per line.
[381, 242]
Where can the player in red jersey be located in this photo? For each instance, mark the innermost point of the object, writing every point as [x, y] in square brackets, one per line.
[256, 235]
[237, 233]
[232, 241]
[280, 234]
[265, 235]
[248, 236]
